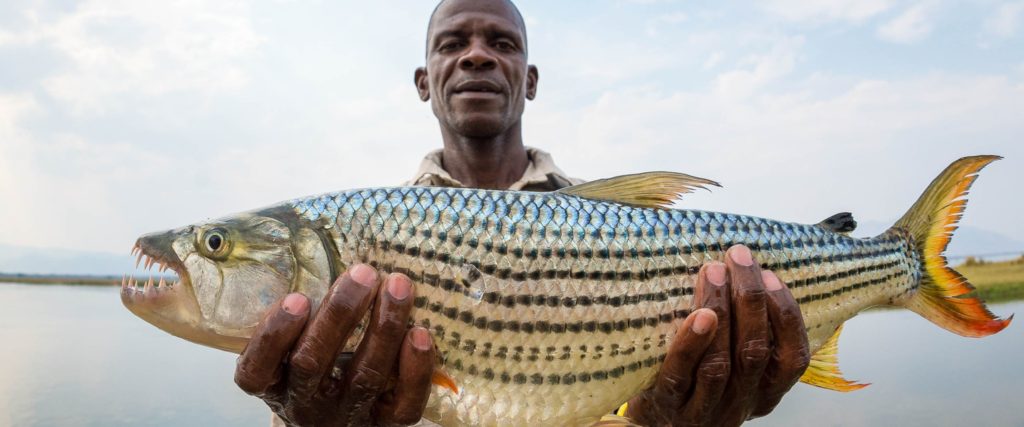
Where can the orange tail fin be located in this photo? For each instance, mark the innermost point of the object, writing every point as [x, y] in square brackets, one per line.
[943, 296]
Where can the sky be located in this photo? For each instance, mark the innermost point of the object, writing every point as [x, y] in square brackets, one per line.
[123, 117]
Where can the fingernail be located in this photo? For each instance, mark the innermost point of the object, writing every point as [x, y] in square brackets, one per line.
[771, 281]
[420, 338]
[702, 322]
[741, 255]
[715, 272]
[295, 304]
[363, 274]
[398, 287]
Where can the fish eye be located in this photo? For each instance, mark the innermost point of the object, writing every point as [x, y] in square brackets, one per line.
[215, 242]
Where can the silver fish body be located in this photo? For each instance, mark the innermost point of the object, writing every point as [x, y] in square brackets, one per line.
[552, 308]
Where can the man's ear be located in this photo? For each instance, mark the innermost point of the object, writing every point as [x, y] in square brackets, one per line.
[531, 81]
[422, 85]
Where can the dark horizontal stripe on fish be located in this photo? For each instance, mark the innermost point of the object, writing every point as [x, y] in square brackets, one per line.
[595, 253]
[543, 326]
[482, 322]
[510, 274]
[810, 281]
[486, 350]
[513, 300]
[836, 292]
[555, 379]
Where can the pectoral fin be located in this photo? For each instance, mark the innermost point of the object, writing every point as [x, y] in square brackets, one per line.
[823, 370]
[645, 190]
[441, 378]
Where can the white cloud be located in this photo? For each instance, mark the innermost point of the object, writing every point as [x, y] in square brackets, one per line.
[911, 26]
[120, 48]
[825, 11]
[1006, 19]
[761, 69]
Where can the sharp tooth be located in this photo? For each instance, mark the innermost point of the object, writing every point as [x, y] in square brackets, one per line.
[149, 263]
[138, 260]
[149, 285]
[131, 281]
[124, 282]
[162, 283]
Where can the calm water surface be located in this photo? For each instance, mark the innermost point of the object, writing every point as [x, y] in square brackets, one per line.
[73, 356]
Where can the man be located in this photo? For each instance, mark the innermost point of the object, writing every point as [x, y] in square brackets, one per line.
[732, 358]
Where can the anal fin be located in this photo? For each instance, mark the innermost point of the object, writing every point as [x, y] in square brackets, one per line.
[823, 371]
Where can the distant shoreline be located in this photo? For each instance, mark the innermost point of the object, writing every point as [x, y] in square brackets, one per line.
[47, 279]
[995, 281]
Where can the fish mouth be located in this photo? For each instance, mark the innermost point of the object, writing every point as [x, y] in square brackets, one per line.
[157, 292]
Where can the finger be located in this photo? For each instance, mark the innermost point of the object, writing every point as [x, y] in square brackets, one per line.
[259, 365]
[751, 347]
[713, 372]
[415, 368]
[376, 357]
[342, 309]
[675, 380]
[790, 355]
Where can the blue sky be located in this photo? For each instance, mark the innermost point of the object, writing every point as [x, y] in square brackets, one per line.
[123, 117]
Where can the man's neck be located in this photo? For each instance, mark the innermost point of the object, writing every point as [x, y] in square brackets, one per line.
[492, 163]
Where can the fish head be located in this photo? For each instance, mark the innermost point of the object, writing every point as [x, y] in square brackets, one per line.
[231, 272]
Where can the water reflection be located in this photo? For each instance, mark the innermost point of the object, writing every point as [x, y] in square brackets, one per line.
[73, 356]
[921, 375]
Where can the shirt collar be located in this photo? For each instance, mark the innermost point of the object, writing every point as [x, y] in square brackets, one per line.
[540, 166]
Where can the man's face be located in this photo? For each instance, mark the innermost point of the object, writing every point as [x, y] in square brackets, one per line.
[476, 76]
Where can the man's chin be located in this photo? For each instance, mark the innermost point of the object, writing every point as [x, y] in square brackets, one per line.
[478, 127]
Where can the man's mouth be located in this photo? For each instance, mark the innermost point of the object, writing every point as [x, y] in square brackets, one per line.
[477, 87]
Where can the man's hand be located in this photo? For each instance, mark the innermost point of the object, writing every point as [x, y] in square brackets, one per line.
[292, 360]
[733, 358]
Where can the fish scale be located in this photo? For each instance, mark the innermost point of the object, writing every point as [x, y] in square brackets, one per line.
[585, 306]
[553, 308]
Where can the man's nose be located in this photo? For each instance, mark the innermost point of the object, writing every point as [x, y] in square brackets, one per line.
[477, 57]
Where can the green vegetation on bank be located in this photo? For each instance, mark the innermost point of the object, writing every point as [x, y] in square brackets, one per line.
[48, 279]
[996, 281]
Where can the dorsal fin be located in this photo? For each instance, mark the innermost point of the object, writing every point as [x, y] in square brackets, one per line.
[645, 190]
[841, 222]
[823, 370]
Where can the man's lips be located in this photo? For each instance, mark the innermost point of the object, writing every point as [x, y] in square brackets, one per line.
[477, 86]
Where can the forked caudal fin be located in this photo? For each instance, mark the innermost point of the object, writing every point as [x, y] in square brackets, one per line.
[942, 295]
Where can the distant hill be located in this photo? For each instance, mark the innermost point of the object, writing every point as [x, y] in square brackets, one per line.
[967, 241]
[15, 259]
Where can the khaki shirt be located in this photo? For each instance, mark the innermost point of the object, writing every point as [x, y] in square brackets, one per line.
[541, 173]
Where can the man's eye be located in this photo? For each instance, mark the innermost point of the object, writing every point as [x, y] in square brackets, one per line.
[504, 45]
[449, 46]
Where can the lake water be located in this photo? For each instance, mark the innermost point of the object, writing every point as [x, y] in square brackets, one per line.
[73, 356]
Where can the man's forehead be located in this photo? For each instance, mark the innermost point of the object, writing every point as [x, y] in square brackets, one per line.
[452, 14]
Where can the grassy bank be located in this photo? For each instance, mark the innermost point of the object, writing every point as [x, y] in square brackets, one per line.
[44, 279]
[996, 281]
